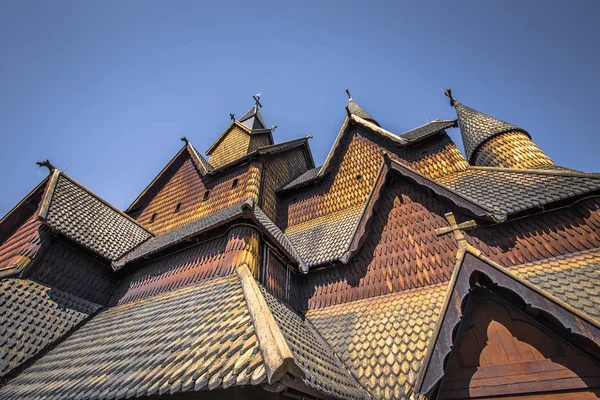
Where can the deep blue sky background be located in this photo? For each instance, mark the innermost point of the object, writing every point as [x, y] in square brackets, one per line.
[107, 88]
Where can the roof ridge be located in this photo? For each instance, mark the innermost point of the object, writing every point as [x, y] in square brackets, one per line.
[437, 120]
[277, 355]
[570, 173]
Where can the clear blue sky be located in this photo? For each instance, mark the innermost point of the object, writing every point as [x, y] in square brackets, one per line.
[107, 88]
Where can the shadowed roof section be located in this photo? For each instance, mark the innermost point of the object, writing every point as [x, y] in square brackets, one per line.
[82, 216]
[33, 316]
[245, 208]
[213, 335]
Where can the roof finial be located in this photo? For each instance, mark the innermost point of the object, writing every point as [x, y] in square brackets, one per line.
[256, 98]
[47, 164]
[232, 116]
[448, 93]
[184, 139]
[349, 95]
[273, 127]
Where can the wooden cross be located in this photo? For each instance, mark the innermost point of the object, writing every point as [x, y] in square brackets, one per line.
[456, 228]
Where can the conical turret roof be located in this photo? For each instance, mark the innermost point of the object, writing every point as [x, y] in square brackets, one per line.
[477, 127]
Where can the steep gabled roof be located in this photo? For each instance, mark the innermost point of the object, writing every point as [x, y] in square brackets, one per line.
[406, 139]
[472, 267]
[220, 333]
[85, 218]
[187, 151]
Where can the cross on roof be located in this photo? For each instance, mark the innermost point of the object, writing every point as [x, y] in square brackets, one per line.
[256, 98]
[232, 116]
[454, 227]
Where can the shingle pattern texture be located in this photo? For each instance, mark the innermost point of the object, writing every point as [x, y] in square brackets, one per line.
[427, 130]
[22, 245]
[280, 169]
[324, 372]
[199, 337]
[325, 238]
[357, 110]
[573, 279]
[175, 236]
[401, 251]
[84, 218]
[188, 187]
[63, 268]
[383, 340]
[546, 235]
[302, 179]
[32, 316]
[511, 150]
[183, 268]
[233, 145]
[253, 119]
[477, 127]
[510, 192]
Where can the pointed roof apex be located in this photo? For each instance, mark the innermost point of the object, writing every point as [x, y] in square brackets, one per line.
[477, 127]
[354, 109]
[253, 119]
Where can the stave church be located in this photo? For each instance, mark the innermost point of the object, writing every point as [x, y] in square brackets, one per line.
[400, 268]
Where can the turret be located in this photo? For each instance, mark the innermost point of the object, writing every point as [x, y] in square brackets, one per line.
[491, 142]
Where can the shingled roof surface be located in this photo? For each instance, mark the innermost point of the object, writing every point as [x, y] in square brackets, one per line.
[511, 191]
[325, 373]
[326, 238]
[477, 127]
[383, 340]
[572, 278]
[427, 130]
[198, 226]
[83, 217]
[194, 338]
[32, 316]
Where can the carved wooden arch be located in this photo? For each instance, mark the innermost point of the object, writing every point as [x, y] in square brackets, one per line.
[472, 269]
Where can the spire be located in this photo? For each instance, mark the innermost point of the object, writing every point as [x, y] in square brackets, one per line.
[356, 110]
[253, 119]
[477, 127]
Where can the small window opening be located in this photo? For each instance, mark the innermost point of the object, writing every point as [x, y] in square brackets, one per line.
[235, 183]
[178, 207]
[206, 195]
[359, 177]
[153, 217]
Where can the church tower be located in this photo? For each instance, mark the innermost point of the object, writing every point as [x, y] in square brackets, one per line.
[490, 142]
[241, 137]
